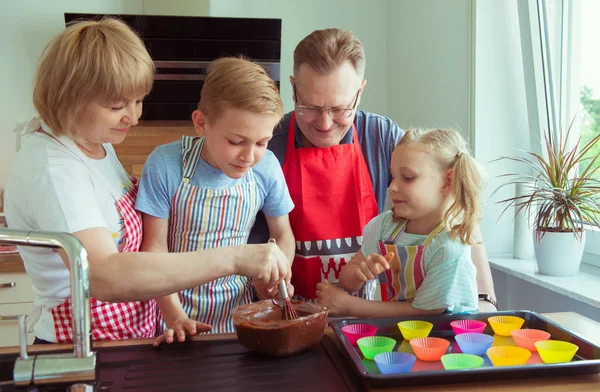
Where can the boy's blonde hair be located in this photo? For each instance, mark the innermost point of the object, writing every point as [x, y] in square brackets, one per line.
[90, 60]
[326, 50]
[234, 82]
[450, 151]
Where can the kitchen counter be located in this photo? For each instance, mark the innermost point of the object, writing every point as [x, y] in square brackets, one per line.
[11, 262]
[573, 321]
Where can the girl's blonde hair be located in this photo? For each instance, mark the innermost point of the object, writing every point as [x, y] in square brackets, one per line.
[101, 60]
[326, 50]
[450, 151]
[234, 82]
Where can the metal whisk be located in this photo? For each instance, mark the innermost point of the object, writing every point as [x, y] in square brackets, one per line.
[287, 310]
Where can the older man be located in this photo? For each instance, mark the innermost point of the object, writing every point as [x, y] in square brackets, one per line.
[336, 162]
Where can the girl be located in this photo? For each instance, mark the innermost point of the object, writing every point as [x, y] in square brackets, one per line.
[420, 250]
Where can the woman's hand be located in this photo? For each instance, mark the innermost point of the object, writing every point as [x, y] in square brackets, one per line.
[332, 298]
[265, 291]
[372, 266]
[264, 263]
[181, 328]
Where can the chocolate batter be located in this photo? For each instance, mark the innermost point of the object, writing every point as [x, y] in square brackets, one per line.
[260, 327]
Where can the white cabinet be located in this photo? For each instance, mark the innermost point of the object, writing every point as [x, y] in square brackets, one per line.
[16, 297]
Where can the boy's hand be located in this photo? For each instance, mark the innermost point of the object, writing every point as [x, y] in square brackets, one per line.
[372, 266]
[181, 328]
[332, 298]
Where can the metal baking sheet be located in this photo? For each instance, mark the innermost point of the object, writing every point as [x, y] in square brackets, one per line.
[586, 361]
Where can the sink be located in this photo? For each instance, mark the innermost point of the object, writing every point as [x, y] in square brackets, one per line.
[214, 365]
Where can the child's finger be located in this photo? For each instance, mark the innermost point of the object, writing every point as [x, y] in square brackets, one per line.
[203, 327]
[380, 260]
[159, 340]
[180, 335]
[361, 276]
[366, 270]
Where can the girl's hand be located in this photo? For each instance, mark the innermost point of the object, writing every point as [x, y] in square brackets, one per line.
[332, 298]
[181, 328]
[372, 266]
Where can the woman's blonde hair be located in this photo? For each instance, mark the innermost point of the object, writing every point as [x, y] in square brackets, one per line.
[326, 50]
[450, 151]
[101, 60]
[238, 83]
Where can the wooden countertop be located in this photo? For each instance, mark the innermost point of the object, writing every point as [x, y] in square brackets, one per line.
[11, 262]
[584, 326]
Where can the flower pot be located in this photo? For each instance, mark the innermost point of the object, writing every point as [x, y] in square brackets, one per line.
[559, 254]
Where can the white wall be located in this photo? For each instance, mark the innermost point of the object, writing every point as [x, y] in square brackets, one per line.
[367, 19]
[25, 28]
[428, 63]
[500, 121]
[516, 293]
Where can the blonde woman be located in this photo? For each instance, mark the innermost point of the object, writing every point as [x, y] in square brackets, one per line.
[88, 92]
[420, 250]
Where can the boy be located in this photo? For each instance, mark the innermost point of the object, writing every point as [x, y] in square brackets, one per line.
[204, 192]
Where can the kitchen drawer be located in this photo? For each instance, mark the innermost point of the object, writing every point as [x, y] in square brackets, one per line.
[9, 326]
[15, 287]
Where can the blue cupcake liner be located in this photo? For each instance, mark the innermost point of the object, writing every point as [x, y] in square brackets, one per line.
[474, 343]
[394, 362]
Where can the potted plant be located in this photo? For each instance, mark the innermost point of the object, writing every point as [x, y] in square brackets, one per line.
[561, 196]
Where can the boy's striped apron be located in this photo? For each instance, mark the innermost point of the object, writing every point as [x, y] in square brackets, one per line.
[401, 281]
[203, 218]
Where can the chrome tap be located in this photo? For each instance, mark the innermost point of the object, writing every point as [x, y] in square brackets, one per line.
[53, 368]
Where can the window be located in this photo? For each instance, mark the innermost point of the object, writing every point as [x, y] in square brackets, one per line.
[562, 67]
[588, 70]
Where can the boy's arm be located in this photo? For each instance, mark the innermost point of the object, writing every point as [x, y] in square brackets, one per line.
[178, 323]
[338, 301]
[281, 231]
[154, 239]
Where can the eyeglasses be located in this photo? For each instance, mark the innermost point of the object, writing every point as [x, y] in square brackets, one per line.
[314, 111]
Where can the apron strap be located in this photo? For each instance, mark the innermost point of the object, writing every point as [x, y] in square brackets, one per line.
[397, 230]
[402, 223]
[434, 233]
[191, 147]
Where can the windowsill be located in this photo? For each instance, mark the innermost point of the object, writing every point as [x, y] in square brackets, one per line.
[584, 287]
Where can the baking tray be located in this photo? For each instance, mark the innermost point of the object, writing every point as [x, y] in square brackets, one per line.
[586, 361]
[213, 365]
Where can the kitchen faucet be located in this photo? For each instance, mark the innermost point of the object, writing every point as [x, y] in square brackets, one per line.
[58, 368]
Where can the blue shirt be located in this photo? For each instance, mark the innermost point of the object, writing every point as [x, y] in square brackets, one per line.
[163, 170]
[377, 136]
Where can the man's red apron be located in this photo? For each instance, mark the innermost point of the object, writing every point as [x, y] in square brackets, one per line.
[333, 196]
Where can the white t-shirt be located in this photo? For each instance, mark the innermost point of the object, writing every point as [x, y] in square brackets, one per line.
[55, 187]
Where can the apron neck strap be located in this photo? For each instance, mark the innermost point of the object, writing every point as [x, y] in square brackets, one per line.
[291, 145]
[402, 224]
[434, 233]
[191, 147]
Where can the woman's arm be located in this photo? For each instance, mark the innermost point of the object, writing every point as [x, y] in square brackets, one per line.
[141, 276]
